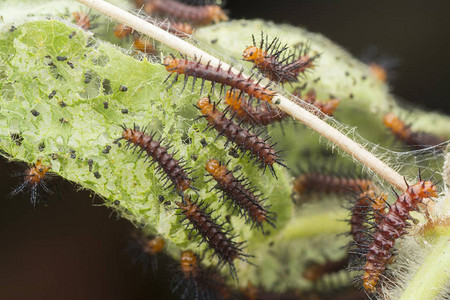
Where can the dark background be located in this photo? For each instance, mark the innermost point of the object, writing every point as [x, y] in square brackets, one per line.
[74, 250]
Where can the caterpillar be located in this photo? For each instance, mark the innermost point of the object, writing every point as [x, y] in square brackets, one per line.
[316, 182]
[215, 75]
[212, 233]
[122, 31]
[378, 71]
[188, 263]
[244, 140]
[142, 44]
[418, 140]
[83, 20]
[179, 29]
[246, 113]
[239, 191]
[198, 282]
[379, 207]
[170, 166]
[143, 250]
[328, 107]
[381, 66]
[34, 181]
[275, 63]
[391, 227]
[197, 15]
[366, 203]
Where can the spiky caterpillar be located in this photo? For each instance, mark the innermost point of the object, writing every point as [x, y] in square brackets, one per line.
[246, 141]
[327, 108]
[174, 10]
[246, 113]
[167, 163]
[378, 207]
[368, 206]
[199, 282]
[325, 183]
[391, 227]
[143, 250]
[216, 75]
[239, 191]
[418, 140]
[275, 63]
[34, 182]
[212, 233]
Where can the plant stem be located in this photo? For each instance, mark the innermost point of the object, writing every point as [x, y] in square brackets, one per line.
[316, 225]
[433, 273]
[341, 140]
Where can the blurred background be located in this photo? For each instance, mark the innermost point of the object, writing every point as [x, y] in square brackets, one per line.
[74, 248]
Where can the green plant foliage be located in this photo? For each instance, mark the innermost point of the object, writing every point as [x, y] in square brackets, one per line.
[60, 92]
[75, 126]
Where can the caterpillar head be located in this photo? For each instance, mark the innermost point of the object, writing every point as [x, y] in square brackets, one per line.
[253, 54]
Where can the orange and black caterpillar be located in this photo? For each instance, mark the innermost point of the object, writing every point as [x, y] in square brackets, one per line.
[317, 182]
[246, 113]
[143, 250]
[34, 181]
[215, 76]
[198, 282]
[171, 167]
[239, 191]
[244, 140]
[418, 140]
[368, 208]
[382, 66]
[212, 233]
[277, 64]
[390, 228]
[196, 15]
[327, 108]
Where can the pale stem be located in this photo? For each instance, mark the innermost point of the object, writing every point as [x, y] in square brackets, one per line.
[341, 140]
